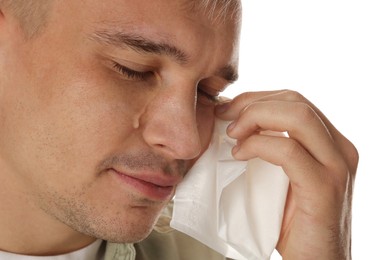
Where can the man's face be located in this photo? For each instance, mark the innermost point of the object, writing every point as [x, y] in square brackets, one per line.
[104, 112]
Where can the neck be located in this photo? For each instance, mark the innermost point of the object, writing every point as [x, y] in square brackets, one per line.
[26, 229]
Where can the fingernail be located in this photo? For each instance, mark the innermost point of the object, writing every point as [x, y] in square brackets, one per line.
[236, 149]
[231, 126]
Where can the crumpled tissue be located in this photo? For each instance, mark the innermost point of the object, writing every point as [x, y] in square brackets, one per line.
[234, 207]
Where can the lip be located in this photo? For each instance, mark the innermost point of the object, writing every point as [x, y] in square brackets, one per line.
[156, 186]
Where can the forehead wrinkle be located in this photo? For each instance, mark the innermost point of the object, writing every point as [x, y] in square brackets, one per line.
[141, 44]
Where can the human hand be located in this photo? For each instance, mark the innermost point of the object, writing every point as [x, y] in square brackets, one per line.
[319, 161]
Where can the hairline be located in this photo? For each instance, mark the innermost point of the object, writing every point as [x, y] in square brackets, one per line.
[216, 10]
[33, 14]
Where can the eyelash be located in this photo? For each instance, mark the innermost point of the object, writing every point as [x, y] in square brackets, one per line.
[132, 74]
[138, 75]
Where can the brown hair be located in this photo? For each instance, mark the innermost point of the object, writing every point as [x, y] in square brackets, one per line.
[216, 10]
[32, 14]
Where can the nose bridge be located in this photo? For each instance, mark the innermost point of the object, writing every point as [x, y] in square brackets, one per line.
[170, 122]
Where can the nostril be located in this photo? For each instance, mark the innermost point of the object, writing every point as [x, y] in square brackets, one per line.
[175, 148]
[171, 128]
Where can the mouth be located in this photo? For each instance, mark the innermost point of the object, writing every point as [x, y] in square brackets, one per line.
[152, 185]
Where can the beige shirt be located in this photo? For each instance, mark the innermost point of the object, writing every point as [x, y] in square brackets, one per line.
[162, 246]
[164, 243]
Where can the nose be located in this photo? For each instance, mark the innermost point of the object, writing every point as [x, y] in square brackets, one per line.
[170, 125]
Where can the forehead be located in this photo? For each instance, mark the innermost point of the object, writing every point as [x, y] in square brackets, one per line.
[210, 13]
[173, 20]
[208, 42]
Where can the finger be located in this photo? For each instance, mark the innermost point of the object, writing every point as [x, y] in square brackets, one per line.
[284, 152]
[298, 119]
[347, 150]
[230, 109]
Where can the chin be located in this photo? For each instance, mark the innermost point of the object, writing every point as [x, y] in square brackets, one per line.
[131, 236]
[131, 229]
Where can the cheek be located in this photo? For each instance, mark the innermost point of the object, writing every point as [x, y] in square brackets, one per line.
[90, 121]
[205, 120]
[61, 125]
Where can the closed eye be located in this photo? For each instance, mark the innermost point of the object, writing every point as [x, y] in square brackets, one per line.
[145, 75]
[132, 74]
[210, 98]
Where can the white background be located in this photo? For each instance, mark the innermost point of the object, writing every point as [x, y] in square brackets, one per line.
[336, 53]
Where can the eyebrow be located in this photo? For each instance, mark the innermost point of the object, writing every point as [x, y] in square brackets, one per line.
[140, 44]
[229, 73]
[143, 45]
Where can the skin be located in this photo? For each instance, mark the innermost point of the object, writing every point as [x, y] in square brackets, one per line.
[68, 115]
[65, 119]
[319, 161]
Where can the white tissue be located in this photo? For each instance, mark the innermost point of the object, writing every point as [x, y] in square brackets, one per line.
[234, 207]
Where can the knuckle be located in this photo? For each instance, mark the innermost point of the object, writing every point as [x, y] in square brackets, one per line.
[241, 102]
[292, 150]
[349, 157]
[243, 98]
[250, 108]
[352, 157]
[342, 176]
[250, 112]
[293, 95]
[306, 113]
[339, 175]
